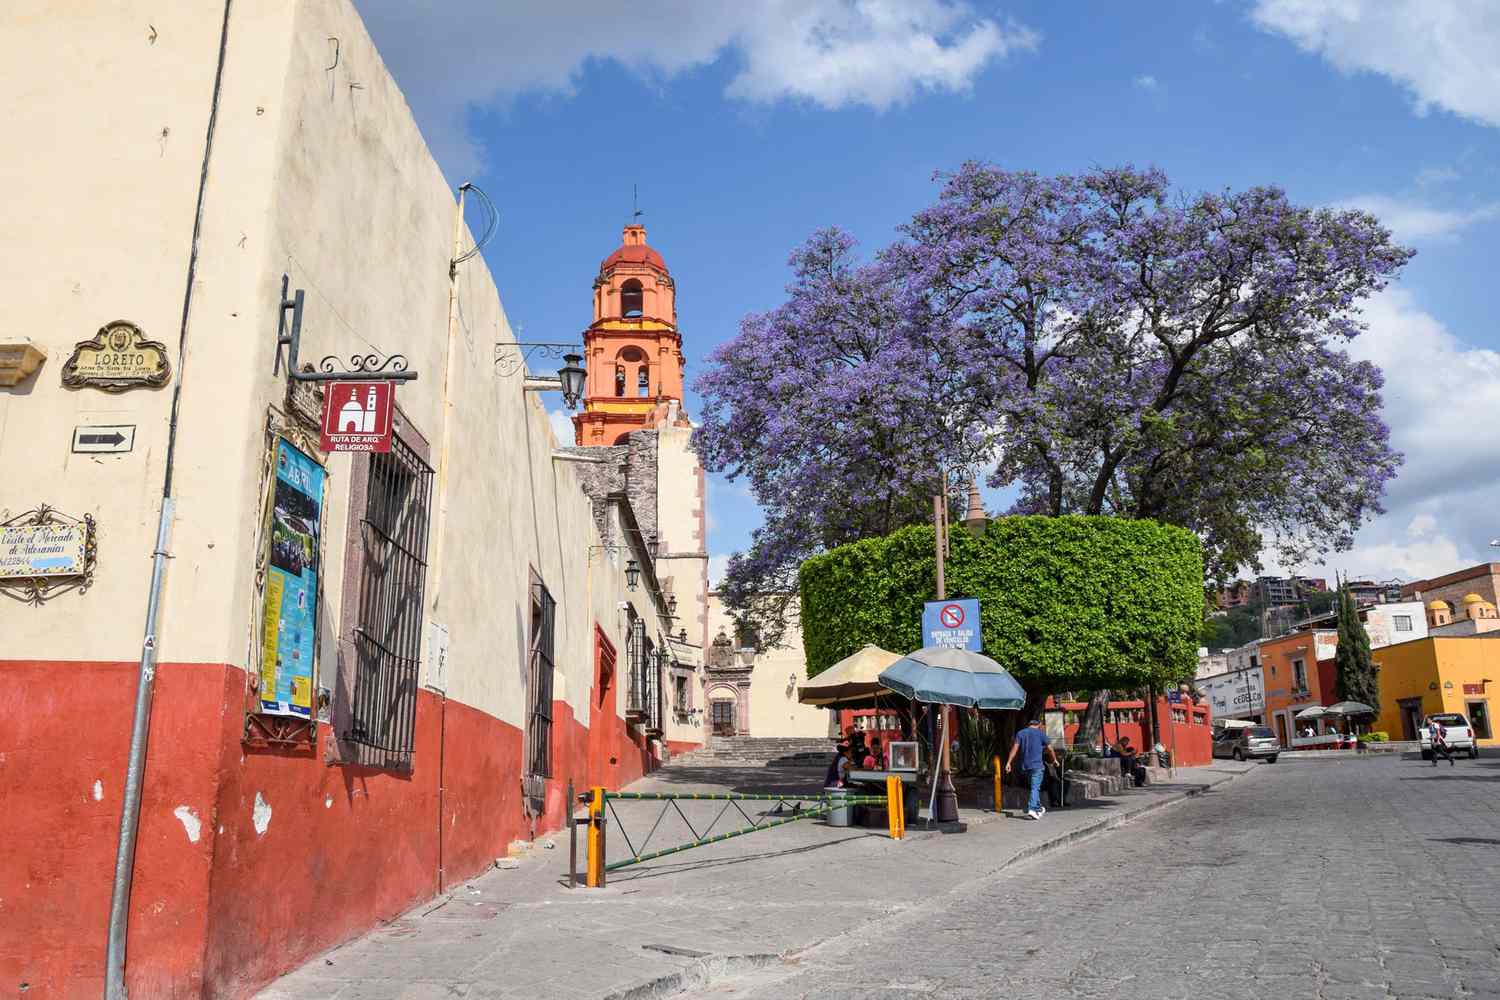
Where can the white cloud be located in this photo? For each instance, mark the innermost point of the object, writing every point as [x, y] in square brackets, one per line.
[1428, 176]
[830, 53]
[1443, 51]
[1410, 220]
[1441, 396]
[716, 567]
[562, 426]
[1146, 82]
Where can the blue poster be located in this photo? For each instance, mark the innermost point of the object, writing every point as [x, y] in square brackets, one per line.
[954, 624]
[289, 615]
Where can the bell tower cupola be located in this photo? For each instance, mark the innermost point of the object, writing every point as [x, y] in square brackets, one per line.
[632, 349]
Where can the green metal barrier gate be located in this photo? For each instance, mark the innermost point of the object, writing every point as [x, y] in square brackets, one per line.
[600, 804]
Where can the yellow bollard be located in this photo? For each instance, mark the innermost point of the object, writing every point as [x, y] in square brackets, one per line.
[999, 789]
[895, 806]
[596, 838]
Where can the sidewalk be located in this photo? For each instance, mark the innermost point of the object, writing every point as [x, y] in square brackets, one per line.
[670, 924]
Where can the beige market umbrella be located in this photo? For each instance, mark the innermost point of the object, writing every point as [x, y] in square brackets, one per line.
[852, 680]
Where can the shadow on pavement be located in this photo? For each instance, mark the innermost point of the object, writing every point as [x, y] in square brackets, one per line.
[1487, 841]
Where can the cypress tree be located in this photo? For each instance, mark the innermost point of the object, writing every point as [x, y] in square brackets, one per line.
[1356, 677]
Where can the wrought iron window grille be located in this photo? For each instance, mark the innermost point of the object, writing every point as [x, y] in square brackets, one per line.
[388, 636]
[540, 669]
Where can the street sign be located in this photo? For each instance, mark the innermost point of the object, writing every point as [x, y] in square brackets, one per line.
[953, 623]
[357, 416]
[113, 438]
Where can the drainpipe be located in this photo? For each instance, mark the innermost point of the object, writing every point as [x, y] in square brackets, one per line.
[130, 810]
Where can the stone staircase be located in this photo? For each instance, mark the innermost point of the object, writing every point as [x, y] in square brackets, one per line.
[759, 751]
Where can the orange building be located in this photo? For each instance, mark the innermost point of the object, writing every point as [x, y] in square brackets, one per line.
[632, 349]
[1299, 673]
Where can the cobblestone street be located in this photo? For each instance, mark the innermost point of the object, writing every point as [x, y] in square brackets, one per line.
[1351, 879]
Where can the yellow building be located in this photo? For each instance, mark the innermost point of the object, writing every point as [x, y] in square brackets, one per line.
[1438, 674]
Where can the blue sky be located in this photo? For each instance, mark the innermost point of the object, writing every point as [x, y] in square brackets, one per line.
[748, 126]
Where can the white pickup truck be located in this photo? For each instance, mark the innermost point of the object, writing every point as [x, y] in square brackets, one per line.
[1460, 737]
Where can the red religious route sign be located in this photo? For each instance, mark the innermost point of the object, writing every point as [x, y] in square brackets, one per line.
[357, 416]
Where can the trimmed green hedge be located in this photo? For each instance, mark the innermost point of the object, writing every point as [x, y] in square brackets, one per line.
[1066, 604]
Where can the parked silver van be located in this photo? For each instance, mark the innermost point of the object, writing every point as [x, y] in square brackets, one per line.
[1246, 743]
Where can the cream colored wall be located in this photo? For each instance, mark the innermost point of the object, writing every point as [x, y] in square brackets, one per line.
[111, 104]
[334, 186]
[774, 679]
[681, 513]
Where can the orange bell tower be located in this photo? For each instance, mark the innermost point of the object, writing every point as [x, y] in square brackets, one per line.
[632, 350]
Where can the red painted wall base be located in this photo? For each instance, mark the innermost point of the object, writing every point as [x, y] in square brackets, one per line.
[248, 861]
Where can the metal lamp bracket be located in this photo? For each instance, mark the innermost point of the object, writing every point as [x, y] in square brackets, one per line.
[372, 367]
[511, 356]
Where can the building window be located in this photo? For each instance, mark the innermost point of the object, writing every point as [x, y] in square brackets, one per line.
[631, 299]
[680, 694]
[387, 636]
[1403, 622]
[1479, 718]
[540, 669]
[1299, 675]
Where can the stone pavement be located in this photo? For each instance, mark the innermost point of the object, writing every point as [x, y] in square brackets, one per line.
[1338, 880]
[690, 919]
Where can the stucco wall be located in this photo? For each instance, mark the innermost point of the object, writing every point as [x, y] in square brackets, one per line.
[774, 679]
[321, 175]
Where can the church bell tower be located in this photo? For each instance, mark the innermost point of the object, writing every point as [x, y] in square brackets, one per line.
[632, 349]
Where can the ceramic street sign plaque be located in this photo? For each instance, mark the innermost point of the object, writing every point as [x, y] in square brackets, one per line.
[118, 358]
[33, 550]
[357, 416]
[115, 437]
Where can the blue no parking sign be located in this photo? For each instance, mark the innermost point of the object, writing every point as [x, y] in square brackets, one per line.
[954, 624]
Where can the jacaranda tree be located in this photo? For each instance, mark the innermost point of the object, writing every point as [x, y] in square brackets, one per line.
[1096, 341]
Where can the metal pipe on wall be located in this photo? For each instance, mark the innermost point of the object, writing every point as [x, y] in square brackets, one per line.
[130, 809]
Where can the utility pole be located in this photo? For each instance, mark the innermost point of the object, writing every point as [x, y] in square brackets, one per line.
[947, 799]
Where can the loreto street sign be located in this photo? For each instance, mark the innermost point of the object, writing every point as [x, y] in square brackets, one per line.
[954, 624]
[119, 357]
[357, 416]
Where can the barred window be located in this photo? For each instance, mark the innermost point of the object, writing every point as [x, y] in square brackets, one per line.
[388, 632]
[539, 722]
[635, 655]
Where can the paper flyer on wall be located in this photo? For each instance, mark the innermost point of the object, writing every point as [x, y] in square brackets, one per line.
[291, 593]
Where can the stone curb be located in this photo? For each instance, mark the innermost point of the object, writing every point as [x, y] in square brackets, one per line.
[706, 970]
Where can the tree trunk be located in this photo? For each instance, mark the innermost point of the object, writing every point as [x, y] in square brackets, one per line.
[1091, 729]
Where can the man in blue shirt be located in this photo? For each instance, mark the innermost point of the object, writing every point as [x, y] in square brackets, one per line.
[1031, 744]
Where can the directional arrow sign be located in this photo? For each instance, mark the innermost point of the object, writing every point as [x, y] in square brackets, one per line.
[115, 438]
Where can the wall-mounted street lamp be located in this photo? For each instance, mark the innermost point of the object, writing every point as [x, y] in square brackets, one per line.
[682, 636]
[653, 544]
[671, 605]
[511, 358]
[632, 574]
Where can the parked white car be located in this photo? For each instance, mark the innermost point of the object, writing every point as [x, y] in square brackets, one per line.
[1460, 736]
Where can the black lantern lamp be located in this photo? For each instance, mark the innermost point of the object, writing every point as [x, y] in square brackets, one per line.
[682, 636]
[653, 544]
[571, 375]
[632, 574]
[671, 605]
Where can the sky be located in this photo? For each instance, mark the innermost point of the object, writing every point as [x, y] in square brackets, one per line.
[747, 126]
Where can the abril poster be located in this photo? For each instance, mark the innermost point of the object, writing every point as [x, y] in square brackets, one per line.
[291, 598]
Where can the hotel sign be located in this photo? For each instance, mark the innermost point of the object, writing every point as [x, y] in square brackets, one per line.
[119, 357]
[1235, 694]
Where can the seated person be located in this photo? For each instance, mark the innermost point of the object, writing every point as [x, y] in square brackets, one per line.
[832, 776]
[1130, 761]
[874, 757]
[846, 764]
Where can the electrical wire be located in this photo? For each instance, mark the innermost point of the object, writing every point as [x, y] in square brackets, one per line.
[489, 230]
